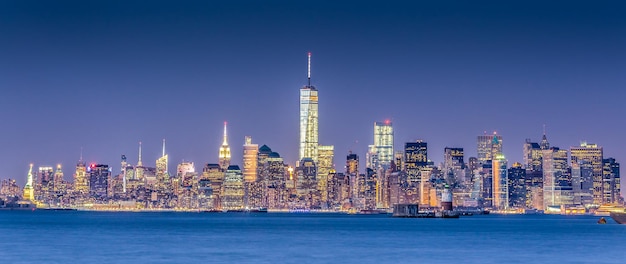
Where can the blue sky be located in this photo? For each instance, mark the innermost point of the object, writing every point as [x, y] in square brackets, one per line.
[103, 75]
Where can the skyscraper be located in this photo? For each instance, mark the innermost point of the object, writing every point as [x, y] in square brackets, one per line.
[489, 146]
[517, 186]
[81, 182]
[611, 184]
[224, 154]
[214, 174]
[324, 166]
[162, 162]
[99, 181]
[352, 172]
[309, 119]
[557, 185]
[306, 183]
[453, 158]
[250, 160]
[500, 189]
[415, 158]
[233, 189]
[532, 155]
[592, 154]
[382, 148]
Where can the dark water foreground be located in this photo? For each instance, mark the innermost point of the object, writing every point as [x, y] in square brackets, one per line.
[101, 237]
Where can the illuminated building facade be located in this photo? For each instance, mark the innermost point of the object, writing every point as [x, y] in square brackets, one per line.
[215, 175]
[593, 155]
[500, 189]
[381, 152]
[9, 190]
[306, 183]
[517, 186]
[81, 182]
[415, 158]
[250, 160]
[224, 153]
[557, 182]
[309, 131]
[325, 163]
[611, 182]
[233, 189]
[44, 184]
[532, 155]
[99, 181]
[488, 147]
[161, 165]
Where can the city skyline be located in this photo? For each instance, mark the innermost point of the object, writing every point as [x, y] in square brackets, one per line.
[47, 85]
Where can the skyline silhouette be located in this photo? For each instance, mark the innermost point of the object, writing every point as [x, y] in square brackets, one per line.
[105, 75]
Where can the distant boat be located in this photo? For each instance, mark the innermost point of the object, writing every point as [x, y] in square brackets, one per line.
[259, 210]
[620, 218]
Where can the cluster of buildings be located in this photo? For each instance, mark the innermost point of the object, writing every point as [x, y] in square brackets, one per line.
[549, 179]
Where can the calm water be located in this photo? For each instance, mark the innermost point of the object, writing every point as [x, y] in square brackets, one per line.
[98, 237]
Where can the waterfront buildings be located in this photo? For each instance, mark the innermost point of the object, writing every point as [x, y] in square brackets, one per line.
[545, 180]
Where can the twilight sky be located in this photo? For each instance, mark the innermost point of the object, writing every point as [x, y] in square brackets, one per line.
[105, 75]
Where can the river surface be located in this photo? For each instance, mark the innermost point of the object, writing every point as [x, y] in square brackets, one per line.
[112, 237]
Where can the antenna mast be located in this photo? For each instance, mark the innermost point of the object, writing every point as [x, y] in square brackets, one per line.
[309, 69]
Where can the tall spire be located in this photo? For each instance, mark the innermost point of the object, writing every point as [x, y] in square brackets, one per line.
[225, 143]
[162, 155]
[224, 154]
[139, 163]
[309, 69]
[544, 140]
